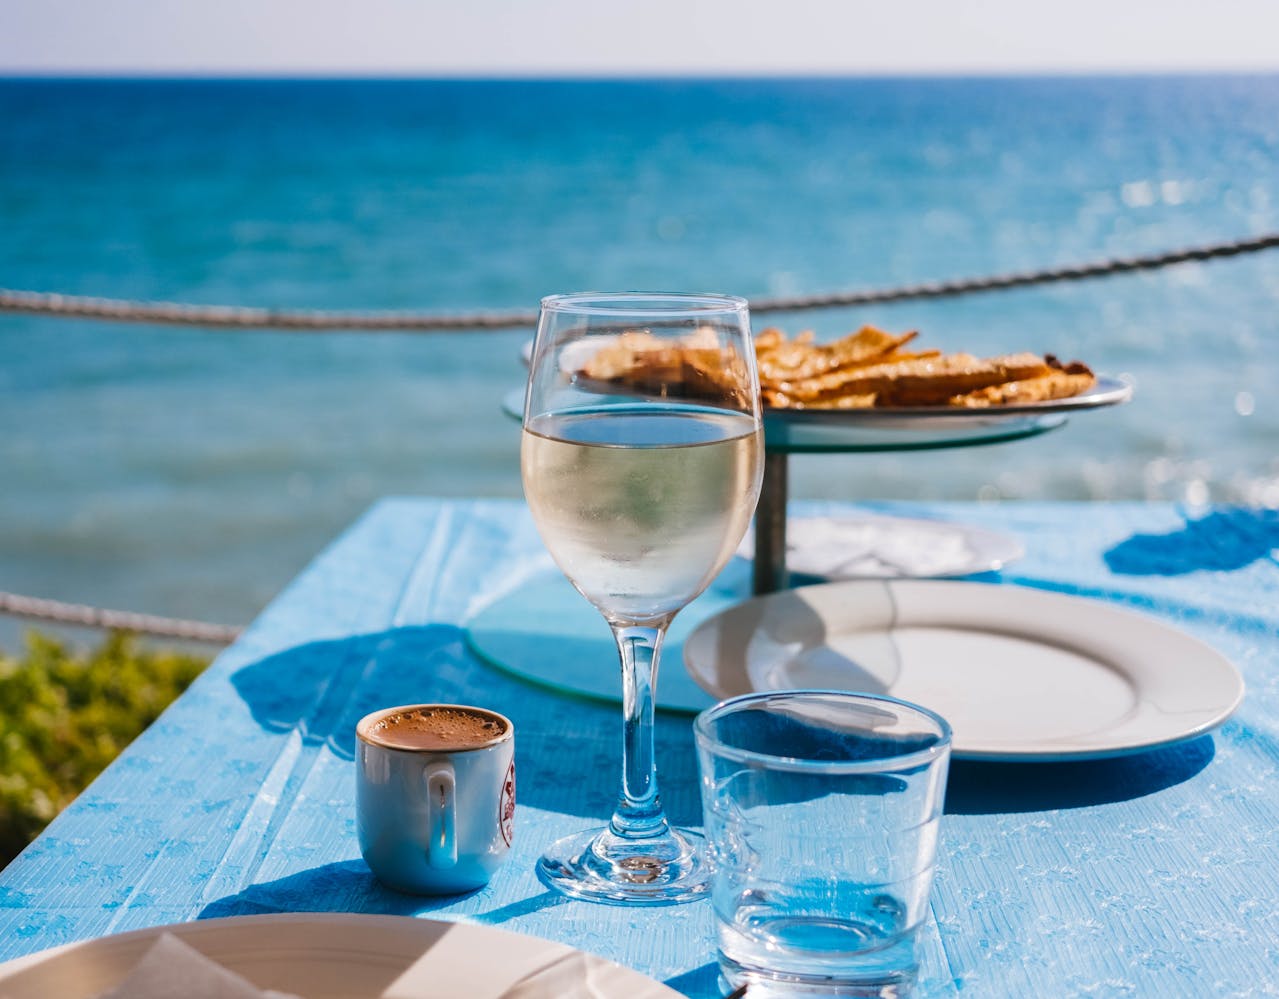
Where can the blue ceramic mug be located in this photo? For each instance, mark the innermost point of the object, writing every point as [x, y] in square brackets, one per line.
[435, 795]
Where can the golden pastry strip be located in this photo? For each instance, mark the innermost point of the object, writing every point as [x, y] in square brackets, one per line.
[695, 368]
[1059, 383]
[929, 381]
[781, 360]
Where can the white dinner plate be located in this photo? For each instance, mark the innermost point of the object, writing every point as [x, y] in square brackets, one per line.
[870, 546]
[1020, 674]
[341, 956]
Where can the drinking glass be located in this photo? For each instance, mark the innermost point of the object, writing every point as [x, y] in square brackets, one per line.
[822, 812]
[642, 456]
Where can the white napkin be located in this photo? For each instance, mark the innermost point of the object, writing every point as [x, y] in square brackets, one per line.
[872, 547]
[171, 968]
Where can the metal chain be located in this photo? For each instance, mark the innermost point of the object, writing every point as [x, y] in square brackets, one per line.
[237, 317]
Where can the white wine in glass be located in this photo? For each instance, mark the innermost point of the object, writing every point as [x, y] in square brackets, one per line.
[642, 456]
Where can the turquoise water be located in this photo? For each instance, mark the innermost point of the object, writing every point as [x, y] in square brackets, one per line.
[193, 473]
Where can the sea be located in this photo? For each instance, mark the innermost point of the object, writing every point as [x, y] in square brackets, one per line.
[193, 473]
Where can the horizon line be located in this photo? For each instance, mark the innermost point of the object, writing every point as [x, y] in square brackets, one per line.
[330, 75]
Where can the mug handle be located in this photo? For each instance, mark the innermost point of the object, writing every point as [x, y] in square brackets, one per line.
[442, 815]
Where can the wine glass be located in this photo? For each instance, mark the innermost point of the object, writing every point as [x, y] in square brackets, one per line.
[642, 456]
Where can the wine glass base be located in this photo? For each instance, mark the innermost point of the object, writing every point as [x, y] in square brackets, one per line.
[597, 866]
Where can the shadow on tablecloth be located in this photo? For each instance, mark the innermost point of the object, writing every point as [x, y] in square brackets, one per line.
[980, 788]
[1222, 541]
[345, 886]
[322, 689]
[567, 748]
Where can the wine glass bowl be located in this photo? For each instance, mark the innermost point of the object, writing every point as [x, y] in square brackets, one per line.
[641, 457]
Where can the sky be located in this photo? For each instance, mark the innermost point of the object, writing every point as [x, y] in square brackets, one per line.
[622, 37]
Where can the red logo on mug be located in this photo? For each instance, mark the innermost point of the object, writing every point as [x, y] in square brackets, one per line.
[506, 807]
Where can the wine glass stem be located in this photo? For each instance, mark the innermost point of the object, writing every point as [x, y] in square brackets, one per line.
[639, 810]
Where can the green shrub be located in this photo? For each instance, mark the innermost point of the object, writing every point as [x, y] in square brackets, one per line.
[67, 714]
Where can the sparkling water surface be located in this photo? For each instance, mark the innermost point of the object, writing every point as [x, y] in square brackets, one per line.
[193, 473]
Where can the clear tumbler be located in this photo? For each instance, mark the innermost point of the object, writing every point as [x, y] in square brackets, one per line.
[822, 811]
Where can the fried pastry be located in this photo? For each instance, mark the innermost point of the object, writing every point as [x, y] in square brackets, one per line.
[1061, 382]
[865, 369]
[695, 368]
[798, 360]
[921, 382]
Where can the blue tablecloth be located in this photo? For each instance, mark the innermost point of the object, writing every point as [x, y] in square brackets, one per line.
[1150, 875]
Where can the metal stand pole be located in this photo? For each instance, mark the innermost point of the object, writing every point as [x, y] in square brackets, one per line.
[770, 527]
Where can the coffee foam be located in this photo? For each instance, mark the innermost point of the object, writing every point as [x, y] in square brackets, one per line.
[440, 728]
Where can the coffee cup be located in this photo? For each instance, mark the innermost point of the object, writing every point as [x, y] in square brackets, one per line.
[435, 795]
